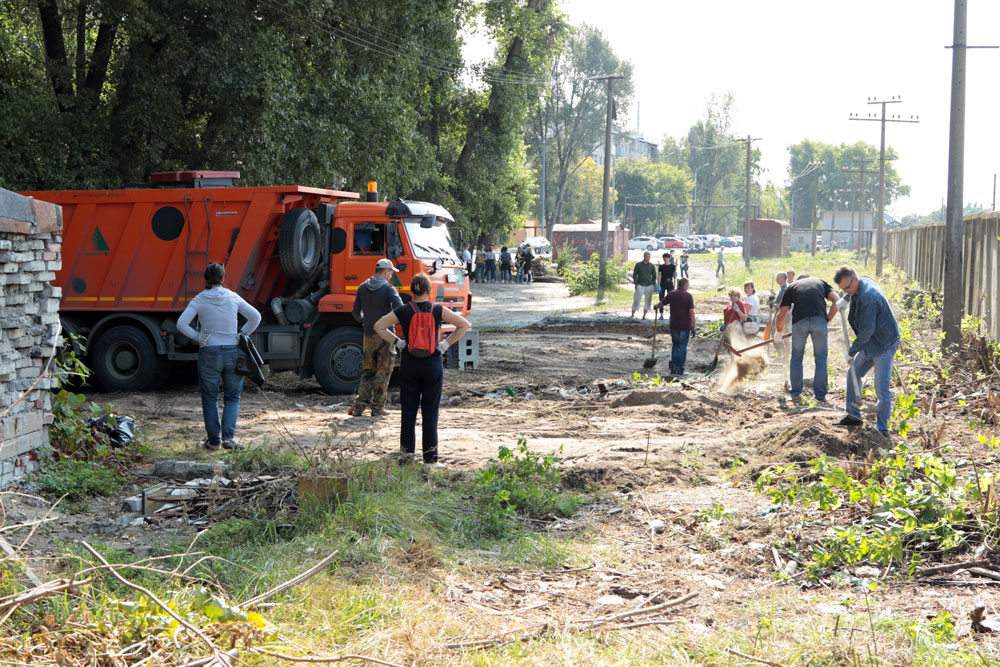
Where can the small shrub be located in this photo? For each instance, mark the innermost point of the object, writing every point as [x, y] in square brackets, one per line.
[521, 481]
[586, 276]
[566, 257]
[78, 479]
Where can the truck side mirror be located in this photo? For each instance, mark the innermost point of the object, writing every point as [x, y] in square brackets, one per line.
[461, 239]
[393, 244]
[427, 221]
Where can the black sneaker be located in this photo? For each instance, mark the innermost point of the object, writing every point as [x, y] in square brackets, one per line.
[849, 422]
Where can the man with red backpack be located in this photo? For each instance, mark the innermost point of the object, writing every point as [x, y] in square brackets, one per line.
[421, 369]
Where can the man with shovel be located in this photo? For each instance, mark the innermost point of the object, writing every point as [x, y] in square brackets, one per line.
[875, 344]
[681, 323]
[809, 320]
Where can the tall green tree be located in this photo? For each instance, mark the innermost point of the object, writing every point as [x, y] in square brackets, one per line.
[97, 93]
[570, 115]
[831, 176]
[653, 195]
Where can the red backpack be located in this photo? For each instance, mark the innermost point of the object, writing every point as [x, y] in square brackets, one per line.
[421, 339]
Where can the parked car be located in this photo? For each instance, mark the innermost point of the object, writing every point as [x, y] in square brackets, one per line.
[539, 244]
[645, 243]
[728, 242]
[672, 242]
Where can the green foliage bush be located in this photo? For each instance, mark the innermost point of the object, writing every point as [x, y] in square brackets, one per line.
[585, 277]
[566, 257]
[905, 507]
[78, 479]
[520, 482]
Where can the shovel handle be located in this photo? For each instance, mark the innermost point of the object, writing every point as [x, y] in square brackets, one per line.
[761, 344]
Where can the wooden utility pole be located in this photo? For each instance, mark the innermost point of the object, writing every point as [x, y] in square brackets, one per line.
[953, 306]
[606, 198]
[895, 99]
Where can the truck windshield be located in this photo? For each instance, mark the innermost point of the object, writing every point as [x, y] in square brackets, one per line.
[432, 243]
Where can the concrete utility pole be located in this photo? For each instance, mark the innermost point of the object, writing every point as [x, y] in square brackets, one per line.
[746, 217]
[816, 167]
[895, 99]
[606, 199]
[860, 190]
[545, 141]
[953, 306]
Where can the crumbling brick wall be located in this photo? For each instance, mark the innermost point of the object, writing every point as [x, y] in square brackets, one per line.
[30, 239]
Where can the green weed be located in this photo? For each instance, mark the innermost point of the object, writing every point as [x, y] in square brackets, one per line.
[78, 479]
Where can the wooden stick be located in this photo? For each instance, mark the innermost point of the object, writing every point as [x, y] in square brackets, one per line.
[750, 657]
[341, 658]
[294, 581]
[637, 612]
[946, 569]
[12, 555]
[645, 623]
[162, 605]
[760, 344]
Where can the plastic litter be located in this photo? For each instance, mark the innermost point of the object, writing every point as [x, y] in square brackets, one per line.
[510, 391]
[120, 430]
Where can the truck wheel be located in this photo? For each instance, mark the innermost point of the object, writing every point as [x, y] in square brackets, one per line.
[300, 244]
[124, 359]
[337, 360]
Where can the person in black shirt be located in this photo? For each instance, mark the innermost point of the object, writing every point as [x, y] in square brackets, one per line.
[809, 320]
[420, 378]
[667, 271]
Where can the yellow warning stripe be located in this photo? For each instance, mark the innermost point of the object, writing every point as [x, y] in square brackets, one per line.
[80, 298]
[354, 288]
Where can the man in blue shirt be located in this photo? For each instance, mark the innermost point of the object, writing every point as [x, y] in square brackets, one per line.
[875, 344]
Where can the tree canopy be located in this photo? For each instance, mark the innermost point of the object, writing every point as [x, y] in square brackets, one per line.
[570, 115]
[97, 93]
[832, 177]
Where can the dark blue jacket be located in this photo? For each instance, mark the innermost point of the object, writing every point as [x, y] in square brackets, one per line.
[872, 320]
[375, 298]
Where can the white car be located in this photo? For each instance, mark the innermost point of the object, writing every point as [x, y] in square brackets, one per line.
[645, 243]
[539, 244]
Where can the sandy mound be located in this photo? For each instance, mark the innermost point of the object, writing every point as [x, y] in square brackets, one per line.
[817, 436]
[623, 478]
[649, 397]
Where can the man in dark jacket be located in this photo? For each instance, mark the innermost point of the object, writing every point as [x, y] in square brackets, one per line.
[376, 297]
[875, 344]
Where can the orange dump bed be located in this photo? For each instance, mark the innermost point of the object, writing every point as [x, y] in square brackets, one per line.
[145, 249]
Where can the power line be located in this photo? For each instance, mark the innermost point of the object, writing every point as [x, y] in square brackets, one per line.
[895, 118]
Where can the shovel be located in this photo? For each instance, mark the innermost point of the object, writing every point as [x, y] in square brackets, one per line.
[649, 363]
[760, 344]
[850, 364]
[722, 341]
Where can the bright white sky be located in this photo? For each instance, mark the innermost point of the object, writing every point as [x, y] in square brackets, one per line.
[798, 68]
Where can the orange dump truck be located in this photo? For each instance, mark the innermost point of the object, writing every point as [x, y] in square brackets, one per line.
[133, 258]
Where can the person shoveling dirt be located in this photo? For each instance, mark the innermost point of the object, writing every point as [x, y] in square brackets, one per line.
[743, 365]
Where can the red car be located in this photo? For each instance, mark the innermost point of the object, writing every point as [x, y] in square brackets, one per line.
[672, 242]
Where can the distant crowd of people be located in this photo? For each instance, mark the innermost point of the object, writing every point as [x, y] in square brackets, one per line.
[485, 265]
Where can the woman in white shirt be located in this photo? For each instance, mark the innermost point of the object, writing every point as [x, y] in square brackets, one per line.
[752, 301]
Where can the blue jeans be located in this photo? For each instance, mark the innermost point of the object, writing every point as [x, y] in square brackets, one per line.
[679, 352]
[505, 276]
[883, 374]
[480, 270]
[215, 363]
[491, 271]
[815, 328]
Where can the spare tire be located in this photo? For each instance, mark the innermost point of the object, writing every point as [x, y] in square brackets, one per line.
[300, 244]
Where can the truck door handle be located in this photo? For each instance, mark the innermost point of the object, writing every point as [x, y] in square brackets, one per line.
[350, 277]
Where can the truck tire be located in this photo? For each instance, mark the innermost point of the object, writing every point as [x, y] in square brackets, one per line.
[337, 360]
[300, 244]
[125, 359]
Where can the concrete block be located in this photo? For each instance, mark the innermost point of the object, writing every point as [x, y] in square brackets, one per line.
[5, 244]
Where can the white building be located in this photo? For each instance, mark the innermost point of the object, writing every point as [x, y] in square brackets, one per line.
[627, 146]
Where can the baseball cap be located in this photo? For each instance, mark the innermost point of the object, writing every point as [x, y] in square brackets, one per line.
[385, 264]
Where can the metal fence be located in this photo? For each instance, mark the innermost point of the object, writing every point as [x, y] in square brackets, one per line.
[919, 251]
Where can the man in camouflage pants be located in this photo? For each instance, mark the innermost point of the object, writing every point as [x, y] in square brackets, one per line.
[376, 297]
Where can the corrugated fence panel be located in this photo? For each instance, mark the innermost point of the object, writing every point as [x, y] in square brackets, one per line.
[919, 251]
